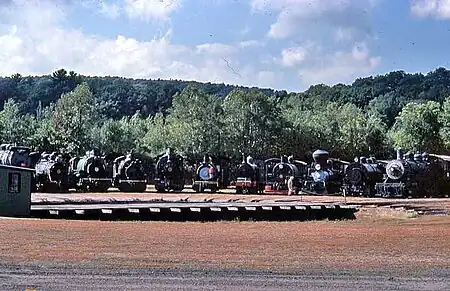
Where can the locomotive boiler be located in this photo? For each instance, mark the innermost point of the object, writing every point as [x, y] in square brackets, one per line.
[283, 176]
[89, 173]
[169, 172]
[206, 176]
[322, 177]
[51, 173]
[128, 174]
[362, 175]
[248, 177]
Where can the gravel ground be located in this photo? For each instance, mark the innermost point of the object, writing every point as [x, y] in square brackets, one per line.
[86, 278]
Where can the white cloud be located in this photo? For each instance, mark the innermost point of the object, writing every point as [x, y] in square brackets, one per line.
[34, 46]
[35, 40]
[150, 9]
[251, 44]
[293, 56]
[339, 67]
[295, 16]
[434, 8]
[216, 49]
[144, 10]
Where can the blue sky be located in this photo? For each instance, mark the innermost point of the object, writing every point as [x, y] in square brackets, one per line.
[282, 44]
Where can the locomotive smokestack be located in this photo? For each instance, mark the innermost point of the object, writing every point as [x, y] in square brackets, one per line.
[399, 154]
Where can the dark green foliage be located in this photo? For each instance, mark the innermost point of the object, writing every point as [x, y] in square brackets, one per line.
[146, 116]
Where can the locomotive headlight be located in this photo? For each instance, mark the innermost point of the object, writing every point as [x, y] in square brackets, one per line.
[169, 169]
[281, 166]
[96, 169]
[317, 167]
[58, 171]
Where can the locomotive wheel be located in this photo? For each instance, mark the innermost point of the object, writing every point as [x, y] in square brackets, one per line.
[238, 190]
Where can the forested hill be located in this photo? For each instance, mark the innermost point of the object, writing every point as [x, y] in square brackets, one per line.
[117, 96]
[120, 97]
[71, 113]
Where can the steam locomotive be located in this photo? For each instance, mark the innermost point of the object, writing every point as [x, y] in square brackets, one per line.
[322, 177]
[284, 175]
[206, 176]
[412, 175]
[19, 156]
[249, 178]
[128, 174]
[169, 172]
[89, 173]
[52, 173]
[362, 175]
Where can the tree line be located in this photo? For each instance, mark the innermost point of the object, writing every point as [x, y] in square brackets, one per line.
[72, 113]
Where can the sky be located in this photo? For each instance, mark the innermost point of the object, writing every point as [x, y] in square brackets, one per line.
[281, 44]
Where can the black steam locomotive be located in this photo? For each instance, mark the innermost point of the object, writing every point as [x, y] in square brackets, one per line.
[362, 175]
[206, 176]
[19, 156]
[89, 173]
[128, 174]
[169, 172]
[52, 173]
[249, 177]
[284, 175]
[323, 178]
[413, 175]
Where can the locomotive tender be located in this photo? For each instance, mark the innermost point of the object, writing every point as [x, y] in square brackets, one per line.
[169, 172]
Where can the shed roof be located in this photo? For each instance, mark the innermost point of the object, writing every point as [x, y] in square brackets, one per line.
[16, 168]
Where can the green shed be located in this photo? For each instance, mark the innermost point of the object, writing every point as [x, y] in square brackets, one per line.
[15, 190]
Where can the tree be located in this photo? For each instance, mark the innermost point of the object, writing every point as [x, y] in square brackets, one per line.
[252, 123]
[194, 122]
[417, 127]
[14, 126]
[74, 117]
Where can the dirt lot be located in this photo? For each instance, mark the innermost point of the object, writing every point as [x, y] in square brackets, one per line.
[377, 240]
[382, 249]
